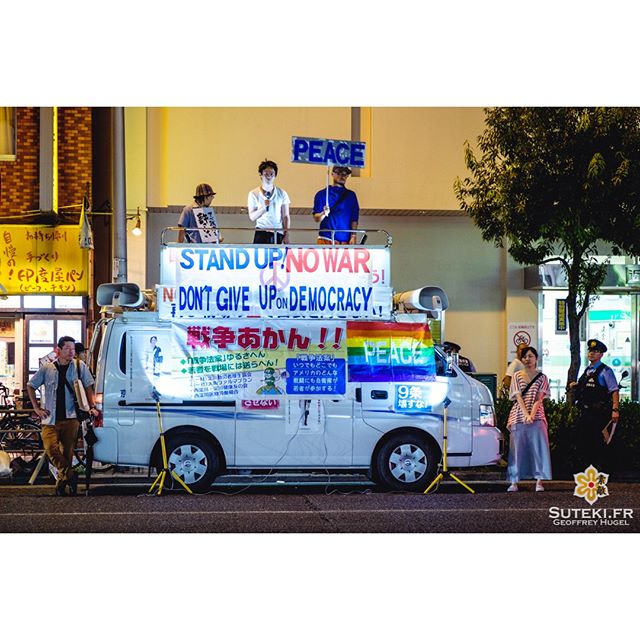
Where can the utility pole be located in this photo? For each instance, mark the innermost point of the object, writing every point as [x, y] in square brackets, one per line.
[119, 199]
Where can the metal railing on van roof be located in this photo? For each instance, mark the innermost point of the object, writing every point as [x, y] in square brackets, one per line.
[244, 235]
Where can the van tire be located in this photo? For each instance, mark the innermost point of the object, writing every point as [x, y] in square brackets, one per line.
[407, 461]
[194, 458]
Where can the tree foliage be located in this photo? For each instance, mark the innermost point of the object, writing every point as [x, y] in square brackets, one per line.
[553, 182]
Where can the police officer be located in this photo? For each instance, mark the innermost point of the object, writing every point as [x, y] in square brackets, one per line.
[598, 401]
[464, 363]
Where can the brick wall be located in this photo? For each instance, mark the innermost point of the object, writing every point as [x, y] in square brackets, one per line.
[74, 154]
[19, 179]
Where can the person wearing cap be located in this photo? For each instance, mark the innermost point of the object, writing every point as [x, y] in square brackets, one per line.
[464, 363]
[597, 397]
[340, 213]
[268, 207]
[198, 220]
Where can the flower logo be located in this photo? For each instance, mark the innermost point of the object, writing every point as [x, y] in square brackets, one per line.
[591, 484]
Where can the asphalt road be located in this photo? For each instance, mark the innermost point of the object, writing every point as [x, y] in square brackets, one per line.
[300, 508]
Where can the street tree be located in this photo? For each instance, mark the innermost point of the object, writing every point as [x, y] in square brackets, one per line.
[553, 183]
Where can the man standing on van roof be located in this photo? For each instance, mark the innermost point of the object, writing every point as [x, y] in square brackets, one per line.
[201, 216]
[340, 212]
[59, 422]
[268, 207]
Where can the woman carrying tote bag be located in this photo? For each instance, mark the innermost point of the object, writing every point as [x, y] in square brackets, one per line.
[529, 455]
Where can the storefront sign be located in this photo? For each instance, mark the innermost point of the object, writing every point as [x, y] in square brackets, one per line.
[38, 259]
[633, 275]
[332, 152]
[561, 316]
[213, 281]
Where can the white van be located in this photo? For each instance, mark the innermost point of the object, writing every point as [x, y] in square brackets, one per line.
[365, 430]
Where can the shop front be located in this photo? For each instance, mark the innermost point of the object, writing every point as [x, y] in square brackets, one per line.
[613, 317]
[30, 327]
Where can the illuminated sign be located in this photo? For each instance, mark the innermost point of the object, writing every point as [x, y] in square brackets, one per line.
[333, 152]
[38, 259]
[561, 316]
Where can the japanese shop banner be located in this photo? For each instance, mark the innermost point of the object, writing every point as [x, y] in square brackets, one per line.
[390, 352]
[277, 281]
[254, 359]
[38, 259]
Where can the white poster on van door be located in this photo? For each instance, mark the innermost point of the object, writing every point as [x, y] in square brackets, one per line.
[148, 368]
[519, 333]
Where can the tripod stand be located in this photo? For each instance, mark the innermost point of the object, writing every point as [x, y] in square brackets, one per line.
[445, 471]
[165, 471]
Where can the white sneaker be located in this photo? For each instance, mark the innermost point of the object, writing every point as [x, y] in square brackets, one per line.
[539, 486]
[513, 487]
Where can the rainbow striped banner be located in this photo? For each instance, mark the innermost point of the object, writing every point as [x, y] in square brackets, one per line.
[390, 352]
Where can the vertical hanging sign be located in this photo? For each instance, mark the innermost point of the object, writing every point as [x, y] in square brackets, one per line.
[561, 316]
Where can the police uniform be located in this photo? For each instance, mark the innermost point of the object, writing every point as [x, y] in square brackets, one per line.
[464, 363]
[593, 399]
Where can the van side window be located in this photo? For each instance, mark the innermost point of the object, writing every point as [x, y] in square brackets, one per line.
[123, 353]
[441, 366]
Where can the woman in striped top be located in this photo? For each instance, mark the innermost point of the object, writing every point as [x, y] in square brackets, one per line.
[529, 455]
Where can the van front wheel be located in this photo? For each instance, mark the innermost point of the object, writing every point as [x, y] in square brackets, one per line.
[407, 462]
[195, 460]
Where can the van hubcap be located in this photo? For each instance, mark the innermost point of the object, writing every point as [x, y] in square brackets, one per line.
[408, 463]
[189, 462]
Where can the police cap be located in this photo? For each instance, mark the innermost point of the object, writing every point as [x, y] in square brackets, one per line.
[596, 345]
[451, 346]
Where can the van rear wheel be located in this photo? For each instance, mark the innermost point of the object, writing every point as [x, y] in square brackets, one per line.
[194, 458]
[407, 462]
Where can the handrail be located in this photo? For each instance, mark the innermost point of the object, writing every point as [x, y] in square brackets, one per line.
[361, 233]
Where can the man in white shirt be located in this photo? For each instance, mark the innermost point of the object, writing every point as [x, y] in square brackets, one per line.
[514, 366]
[268, 207]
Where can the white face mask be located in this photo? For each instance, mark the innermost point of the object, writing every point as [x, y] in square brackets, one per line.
[267, 180]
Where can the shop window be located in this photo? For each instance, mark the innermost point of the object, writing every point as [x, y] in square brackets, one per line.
[43, 334]
[7, 133]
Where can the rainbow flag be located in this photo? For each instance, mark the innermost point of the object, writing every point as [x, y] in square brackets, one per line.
[390, 352]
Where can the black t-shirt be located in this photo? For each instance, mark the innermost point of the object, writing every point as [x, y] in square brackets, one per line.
[61, 404]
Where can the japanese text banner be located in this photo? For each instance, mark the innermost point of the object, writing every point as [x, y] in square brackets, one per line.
[251, 359]
[38, 259]
[279, 281]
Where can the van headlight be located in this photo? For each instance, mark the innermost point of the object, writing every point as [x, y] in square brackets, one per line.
[487, 415]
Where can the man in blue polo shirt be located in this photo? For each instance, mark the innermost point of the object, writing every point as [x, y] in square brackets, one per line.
[598, 401]
[339, 214]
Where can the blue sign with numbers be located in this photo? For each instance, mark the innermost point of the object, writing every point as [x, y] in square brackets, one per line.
[346, 153]
[412, 398]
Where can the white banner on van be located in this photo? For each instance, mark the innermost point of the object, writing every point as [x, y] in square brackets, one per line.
[258, 358]
[275, 281]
